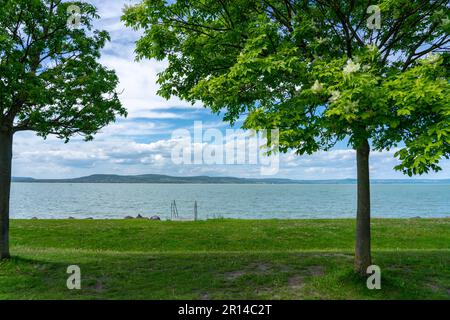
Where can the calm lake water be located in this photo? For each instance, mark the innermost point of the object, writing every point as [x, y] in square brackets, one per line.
[227, 201]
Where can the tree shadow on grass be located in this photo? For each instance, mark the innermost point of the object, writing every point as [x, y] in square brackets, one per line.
[22, 277]
[220, 276]
[404, 275]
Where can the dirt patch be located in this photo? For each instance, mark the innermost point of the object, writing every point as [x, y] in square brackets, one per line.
[264, 268]
[317, 271]
[254, 268]
[267, 267]
[284, 268]
[296, 282]
[269, 292]
[204, 296]
[233, 275]
[261, 267]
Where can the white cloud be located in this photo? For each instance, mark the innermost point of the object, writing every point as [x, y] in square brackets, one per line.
[127, 147]
[54, 159]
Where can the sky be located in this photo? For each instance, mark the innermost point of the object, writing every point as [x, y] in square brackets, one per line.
[143, 142]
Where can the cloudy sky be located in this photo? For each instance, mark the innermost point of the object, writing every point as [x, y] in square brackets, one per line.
[142, 143]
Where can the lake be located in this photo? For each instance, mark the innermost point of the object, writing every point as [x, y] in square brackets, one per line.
[244, 201]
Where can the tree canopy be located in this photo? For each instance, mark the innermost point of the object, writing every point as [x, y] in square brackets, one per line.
[316, 70]
[50, 79]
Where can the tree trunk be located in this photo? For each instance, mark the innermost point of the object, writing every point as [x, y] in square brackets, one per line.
[6, 140]
[362, 250]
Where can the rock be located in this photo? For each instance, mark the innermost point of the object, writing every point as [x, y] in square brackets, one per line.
[156, 218]
[129, 217]
[140, 217]
[71, 218]
[34, 218]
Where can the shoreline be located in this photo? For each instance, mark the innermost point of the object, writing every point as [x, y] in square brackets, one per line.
[223, 219]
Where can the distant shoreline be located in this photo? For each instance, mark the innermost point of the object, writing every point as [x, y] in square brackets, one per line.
[165, 179]
[148, 218]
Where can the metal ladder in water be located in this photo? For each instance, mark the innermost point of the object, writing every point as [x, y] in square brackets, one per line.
[174, 211]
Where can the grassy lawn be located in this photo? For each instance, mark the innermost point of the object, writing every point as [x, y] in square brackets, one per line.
[224, 259]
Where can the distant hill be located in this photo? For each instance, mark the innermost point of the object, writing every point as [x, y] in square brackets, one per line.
[152, 178]
[157, 178]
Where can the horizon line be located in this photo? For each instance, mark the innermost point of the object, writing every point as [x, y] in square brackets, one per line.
[229, 177]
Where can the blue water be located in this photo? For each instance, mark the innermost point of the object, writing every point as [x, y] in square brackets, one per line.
[224, 201]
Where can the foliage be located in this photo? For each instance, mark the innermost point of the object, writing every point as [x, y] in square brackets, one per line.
[50, 79]
[313, 69]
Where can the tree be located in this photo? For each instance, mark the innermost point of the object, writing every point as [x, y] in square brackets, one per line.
[50, 80]
[319, 71]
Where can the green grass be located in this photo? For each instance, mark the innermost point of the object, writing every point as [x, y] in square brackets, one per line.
[224, 259]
